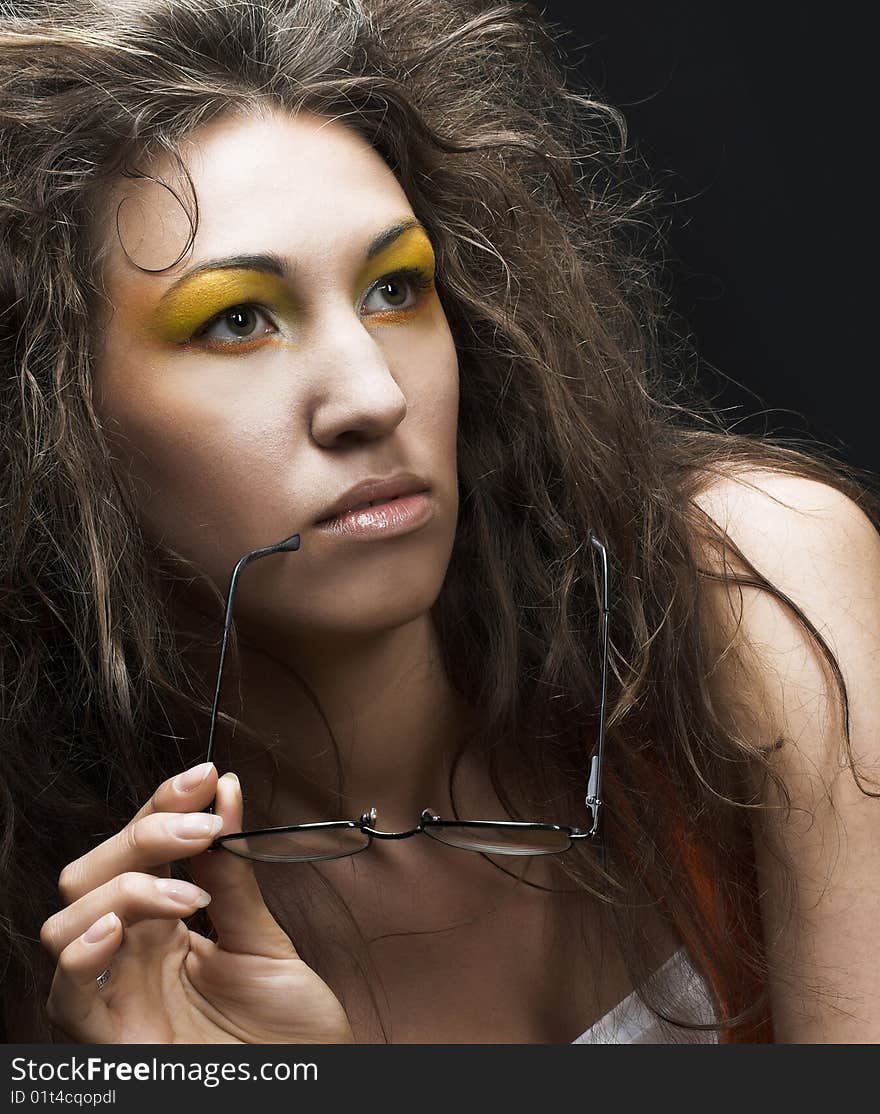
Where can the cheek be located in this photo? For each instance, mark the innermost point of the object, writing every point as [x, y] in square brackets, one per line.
[448, 403]
[183, 463]
[433, 384]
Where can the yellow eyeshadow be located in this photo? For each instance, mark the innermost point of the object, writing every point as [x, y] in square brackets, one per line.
[205, 295]
[191, 306]
[411, 249]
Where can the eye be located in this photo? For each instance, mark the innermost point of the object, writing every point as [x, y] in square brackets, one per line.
[241, 319]
[400, 291]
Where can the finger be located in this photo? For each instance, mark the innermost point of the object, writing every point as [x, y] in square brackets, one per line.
[150, 840]
[147, 845]
[75, 1004]
[133, 897]
[176, 793]
[238, 912]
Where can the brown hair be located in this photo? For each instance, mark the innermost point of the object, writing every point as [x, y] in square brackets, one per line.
[577, 412]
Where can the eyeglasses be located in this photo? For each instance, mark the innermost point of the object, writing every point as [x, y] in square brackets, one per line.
[336, 839]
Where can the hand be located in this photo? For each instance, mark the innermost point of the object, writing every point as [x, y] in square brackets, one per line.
[170, 985]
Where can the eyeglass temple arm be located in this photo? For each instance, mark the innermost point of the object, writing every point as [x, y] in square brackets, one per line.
[593, 799]
[289, 545]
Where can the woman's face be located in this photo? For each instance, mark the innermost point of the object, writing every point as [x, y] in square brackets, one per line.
[244, 402]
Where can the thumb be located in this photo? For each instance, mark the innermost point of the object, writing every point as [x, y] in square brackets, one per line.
[238, 911]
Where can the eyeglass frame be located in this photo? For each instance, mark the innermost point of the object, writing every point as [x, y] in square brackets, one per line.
[428, 819]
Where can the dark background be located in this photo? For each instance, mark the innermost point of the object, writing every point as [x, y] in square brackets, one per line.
[756, 123]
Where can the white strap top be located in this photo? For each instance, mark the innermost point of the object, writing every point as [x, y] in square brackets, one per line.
[630, 1022]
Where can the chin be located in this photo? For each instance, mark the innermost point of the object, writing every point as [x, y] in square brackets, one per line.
[364, 611]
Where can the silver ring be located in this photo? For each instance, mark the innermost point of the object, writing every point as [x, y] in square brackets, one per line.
[103, 979]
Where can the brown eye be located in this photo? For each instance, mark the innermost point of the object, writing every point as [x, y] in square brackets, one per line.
[394, 291]
[401, 290]
[240, 320]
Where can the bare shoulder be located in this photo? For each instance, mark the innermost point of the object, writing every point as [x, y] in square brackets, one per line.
[821, 551]
[765, 508]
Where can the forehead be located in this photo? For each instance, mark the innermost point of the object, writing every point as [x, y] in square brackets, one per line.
[299, 184]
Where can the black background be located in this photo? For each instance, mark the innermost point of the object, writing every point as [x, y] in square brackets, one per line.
[756, 122]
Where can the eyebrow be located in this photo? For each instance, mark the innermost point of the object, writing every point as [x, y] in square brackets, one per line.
[274, 264]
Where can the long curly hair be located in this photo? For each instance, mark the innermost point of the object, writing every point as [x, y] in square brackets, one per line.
[578, 410]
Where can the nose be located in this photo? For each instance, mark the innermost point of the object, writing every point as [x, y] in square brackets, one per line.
[356, 396]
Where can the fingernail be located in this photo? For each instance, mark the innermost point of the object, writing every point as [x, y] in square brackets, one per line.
[183, 892]
[230, 776]
[192, 779]
[196, 825]
[100, 929]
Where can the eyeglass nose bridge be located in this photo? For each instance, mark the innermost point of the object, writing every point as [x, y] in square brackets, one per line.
[369, 818]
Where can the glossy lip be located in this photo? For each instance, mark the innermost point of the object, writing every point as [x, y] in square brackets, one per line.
[372, 489]
[383, 520]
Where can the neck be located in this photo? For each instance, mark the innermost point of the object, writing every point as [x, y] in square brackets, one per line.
[384, 733]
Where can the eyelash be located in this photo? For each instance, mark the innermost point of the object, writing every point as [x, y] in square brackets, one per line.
[419, 282]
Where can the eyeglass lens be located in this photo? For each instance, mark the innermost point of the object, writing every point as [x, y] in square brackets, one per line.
[337, 842]
[300, 847]
[500, 840]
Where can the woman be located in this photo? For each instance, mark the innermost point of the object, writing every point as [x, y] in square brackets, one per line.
[259, 258]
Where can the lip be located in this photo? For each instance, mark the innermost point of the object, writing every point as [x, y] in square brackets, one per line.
[390, 519]
[374, 489]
